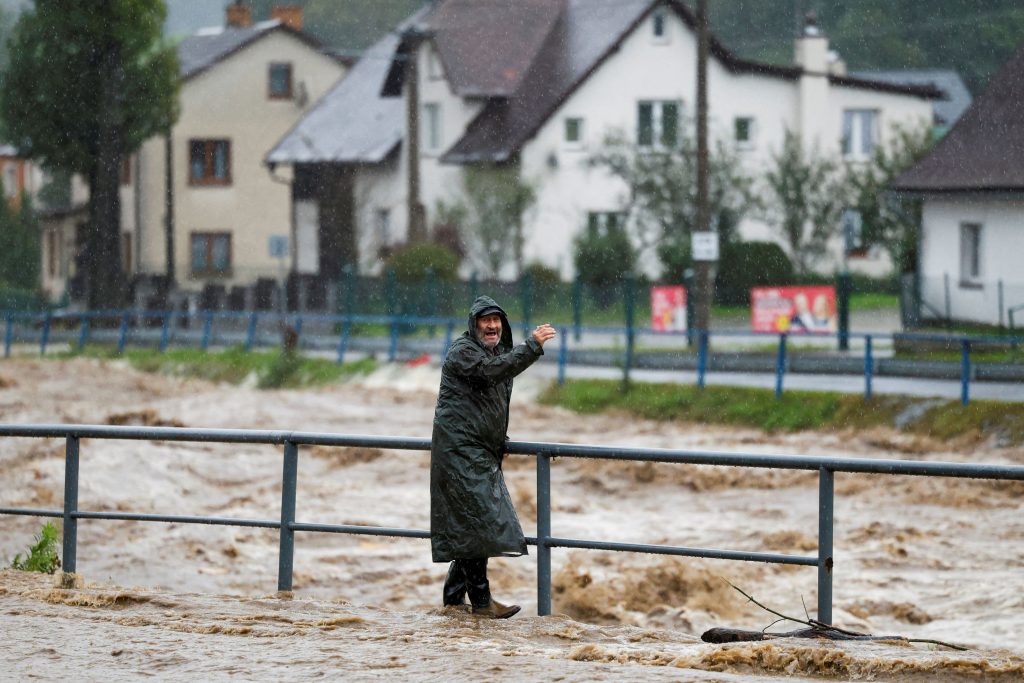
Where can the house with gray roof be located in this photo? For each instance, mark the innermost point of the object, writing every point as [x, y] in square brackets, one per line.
[947, 109]
[199, 209]
[972, 230]
[537, 86]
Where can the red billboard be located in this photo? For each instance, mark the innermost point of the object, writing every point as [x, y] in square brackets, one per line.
[668, 309]
[797, 310]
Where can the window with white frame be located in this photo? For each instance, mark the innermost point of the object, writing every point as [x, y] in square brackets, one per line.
[658, 123]
[573, 131]
[970, 254]
[432, 127]
[382, 226]
[860, 133]
[743, 131]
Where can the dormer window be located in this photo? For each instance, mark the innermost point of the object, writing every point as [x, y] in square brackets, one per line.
[279, 81]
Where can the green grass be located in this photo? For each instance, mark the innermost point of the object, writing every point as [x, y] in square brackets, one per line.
[874, 301]
[272, 369]
[42, 555]
[794, 411]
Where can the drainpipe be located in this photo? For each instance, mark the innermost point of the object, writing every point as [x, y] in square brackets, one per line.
[169, 208]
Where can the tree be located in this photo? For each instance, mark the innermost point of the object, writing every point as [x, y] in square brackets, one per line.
[604, 255]
[498, 202]
[20, 258]
[87, 83]
[888, 219]
[804, 197]
[662, 204]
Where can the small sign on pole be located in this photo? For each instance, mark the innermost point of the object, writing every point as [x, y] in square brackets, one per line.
[704, 246]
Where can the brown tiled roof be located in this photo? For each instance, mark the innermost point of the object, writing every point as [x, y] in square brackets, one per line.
[984, 151]
[582, 37]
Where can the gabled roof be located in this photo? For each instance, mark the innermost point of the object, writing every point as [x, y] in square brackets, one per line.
[950, 108]
[208, 46]
[984, 151]
[353, 122]
[587, 33]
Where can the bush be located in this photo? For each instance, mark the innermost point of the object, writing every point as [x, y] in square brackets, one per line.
[604, 256]
[42, 556]
[750, 264]
[411, 262]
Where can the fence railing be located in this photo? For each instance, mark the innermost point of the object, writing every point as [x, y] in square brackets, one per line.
[335, 333]
[545, 453]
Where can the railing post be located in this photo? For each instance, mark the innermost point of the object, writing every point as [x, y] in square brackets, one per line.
[343, 340]
[8, 335]
[165, 332]
[68, 557]
[702, 358]
[965, 371]
[286, 554]
[826, 487]
[83, 332]
[449, 331]
[122, 339]
[250, 334]
[44, 338]
[543, 534]
[869, 367]
[563, 355]
[393, 345]
[577, 307]
[298, 332]
[780, 365]
[207, 330]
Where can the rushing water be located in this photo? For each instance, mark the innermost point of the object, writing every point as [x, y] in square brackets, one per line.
[922, 558]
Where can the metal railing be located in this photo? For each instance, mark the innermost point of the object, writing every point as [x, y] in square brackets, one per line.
[545, 452]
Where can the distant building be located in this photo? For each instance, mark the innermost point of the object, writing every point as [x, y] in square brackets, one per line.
[20, 177]
[243, 86]
[949, 108]
[538, 84]
[972, 233]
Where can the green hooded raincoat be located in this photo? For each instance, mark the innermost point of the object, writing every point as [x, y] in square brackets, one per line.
[471, 514]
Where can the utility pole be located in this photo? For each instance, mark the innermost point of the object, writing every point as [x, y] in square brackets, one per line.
[702, 260]
[417, 229]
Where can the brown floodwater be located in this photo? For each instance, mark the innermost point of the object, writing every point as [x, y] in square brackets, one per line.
[937, 559]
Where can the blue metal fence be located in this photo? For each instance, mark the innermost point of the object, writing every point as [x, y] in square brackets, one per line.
[250, 330]
[545, 453]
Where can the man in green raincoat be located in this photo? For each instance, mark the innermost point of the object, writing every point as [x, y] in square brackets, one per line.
[471, 514]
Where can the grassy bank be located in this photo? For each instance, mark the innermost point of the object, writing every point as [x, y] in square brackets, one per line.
[796, 410]
[266, 369]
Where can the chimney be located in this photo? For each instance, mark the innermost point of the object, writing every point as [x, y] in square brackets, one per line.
[812, 56]
[289, 15]
[812, 46]
[239, 15]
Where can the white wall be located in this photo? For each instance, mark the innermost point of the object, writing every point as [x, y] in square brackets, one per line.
[1002, 243]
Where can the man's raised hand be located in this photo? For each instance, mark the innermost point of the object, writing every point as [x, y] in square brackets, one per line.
[542, 333]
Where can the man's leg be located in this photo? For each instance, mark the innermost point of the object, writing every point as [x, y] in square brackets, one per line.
[455, 583]
[479, 590]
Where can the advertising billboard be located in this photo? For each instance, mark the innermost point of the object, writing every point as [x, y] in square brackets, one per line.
[668, 309]
[797, 310]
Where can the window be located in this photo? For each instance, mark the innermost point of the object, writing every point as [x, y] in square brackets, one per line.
[860, 133]
[743, 131]
[574, 131]
[970, 254]
[432, 127]
[659, 30]
[11, 179]
[658, 124]
[382, 226]
[209, 162]
[603, 222]
[279, 81]
[211, 253]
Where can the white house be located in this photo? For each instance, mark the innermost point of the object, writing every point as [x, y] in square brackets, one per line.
[972, 232]
[538, 84]
[199, 204]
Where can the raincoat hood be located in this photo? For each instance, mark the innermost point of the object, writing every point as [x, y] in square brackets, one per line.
[486, 304]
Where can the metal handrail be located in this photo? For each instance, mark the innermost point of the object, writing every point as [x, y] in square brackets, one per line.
[545, 452]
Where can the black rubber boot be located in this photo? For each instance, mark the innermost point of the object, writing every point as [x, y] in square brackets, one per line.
[455, 584]
[477, 586]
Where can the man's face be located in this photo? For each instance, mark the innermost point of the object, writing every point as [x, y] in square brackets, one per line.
[488, 330]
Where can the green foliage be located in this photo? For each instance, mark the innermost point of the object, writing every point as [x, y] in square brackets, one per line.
[796, 410]
[42, 555]
[603, 256]
[890, 220]
[750, 264]
[498, 200]
[804, 199]
[412, 262]
[19, 246]
[662, 208]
